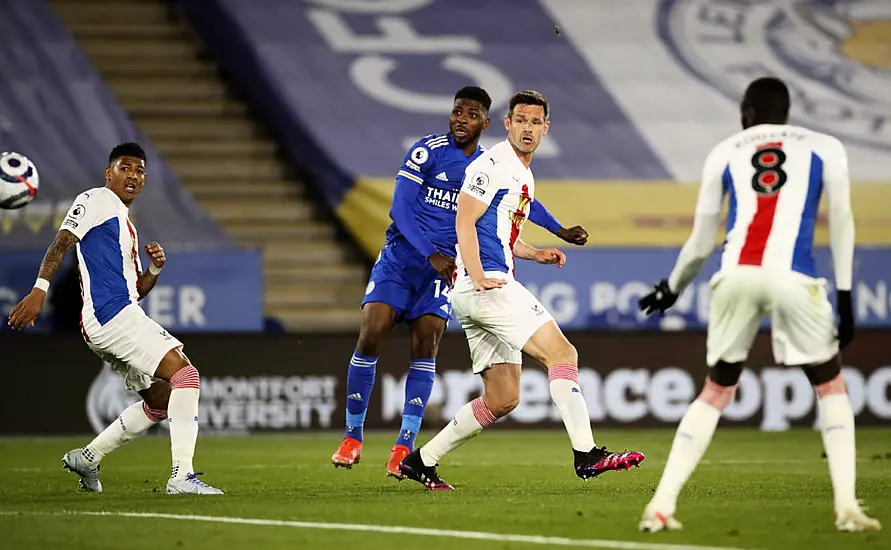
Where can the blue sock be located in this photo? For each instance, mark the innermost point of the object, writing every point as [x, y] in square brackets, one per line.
[360, 381]
[418, 386]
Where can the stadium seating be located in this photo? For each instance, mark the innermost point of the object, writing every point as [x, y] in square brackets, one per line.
[153, 63]
[58, 111]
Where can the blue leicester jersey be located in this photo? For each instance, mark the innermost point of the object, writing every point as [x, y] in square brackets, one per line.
[436, 164]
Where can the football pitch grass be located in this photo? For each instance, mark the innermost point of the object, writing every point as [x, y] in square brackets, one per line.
[754, 491]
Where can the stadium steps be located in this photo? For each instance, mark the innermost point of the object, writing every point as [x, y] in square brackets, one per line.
[154, 64]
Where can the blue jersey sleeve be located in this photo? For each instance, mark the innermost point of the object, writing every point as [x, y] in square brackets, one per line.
[409, 180]
[540, 216]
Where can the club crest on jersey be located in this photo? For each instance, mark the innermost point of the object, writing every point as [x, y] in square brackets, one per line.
[419, 155]
[518, 216]
[829, 53]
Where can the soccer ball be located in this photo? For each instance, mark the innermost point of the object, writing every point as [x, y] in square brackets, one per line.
[18, 181]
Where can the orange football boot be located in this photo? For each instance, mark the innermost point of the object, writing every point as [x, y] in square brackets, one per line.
[397, 453]
[348, 454]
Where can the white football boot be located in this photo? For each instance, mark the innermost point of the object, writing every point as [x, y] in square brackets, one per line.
[190, 485]
[852, 519]
[74, 461]
[654, 521]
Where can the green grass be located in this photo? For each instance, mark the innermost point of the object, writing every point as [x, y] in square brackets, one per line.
[755, 490]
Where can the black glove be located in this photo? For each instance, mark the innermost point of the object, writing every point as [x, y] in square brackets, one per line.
[659, 300]
[845, 318]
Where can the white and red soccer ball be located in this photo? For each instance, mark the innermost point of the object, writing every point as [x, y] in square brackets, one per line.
[18, 181]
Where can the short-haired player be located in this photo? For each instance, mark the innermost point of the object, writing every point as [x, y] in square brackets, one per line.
[413, 274]
[501, 318]
[773, 175]
[149, 358]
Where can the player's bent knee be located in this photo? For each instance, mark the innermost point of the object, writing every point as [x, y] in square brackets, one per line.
[834, 386]
[561, 353]
[502, 405]
[371, 337]
[716, 395]
[821, 374]
[568, 355]
[186, 377]
[726, 374]
[153, 414]
[424, 344]
[157, 396]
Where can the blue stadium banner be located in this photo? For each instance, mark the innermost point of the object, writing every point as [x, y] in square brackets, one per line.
[56, 110]
[599, 288]
[197, 292]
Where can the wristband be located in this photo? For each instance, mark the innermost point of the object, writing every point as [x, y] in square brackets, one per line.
[42, 284]
[154, 270]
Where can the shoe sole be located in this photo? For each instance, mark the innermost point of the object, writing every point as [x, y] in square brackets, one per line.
[398, 475]
[623, 468]
[197, 494]
[409, 472]
[344, 463]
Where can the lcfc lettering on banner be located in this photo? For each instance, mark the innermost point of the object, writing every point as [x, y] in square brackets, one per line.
[442, 198]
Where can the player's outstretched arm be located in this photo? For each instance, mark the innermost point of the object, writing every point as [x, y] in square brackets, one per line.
[25, 313]
[699, 246]
[526, 251]
[540, 216]
[470, 210]
[695, 252]
[146, 281]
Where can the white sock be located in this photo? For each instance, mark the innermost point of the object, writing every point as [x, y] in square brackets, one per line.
[690, 442]
[183, 412]
[473, 418]
[837, 428]
[128, 426]
[567, 395]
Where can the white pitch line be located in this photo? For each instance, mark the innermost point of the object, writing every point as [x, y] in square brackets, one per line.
[395, 529]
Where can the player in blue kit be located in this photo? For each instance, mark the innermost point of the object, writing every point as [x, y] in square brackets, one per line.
[413, 274]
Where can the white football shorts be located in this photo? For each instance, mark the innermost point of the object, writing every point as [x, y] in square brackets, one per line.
[498, 323]
[803, 328]
[133, 344]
